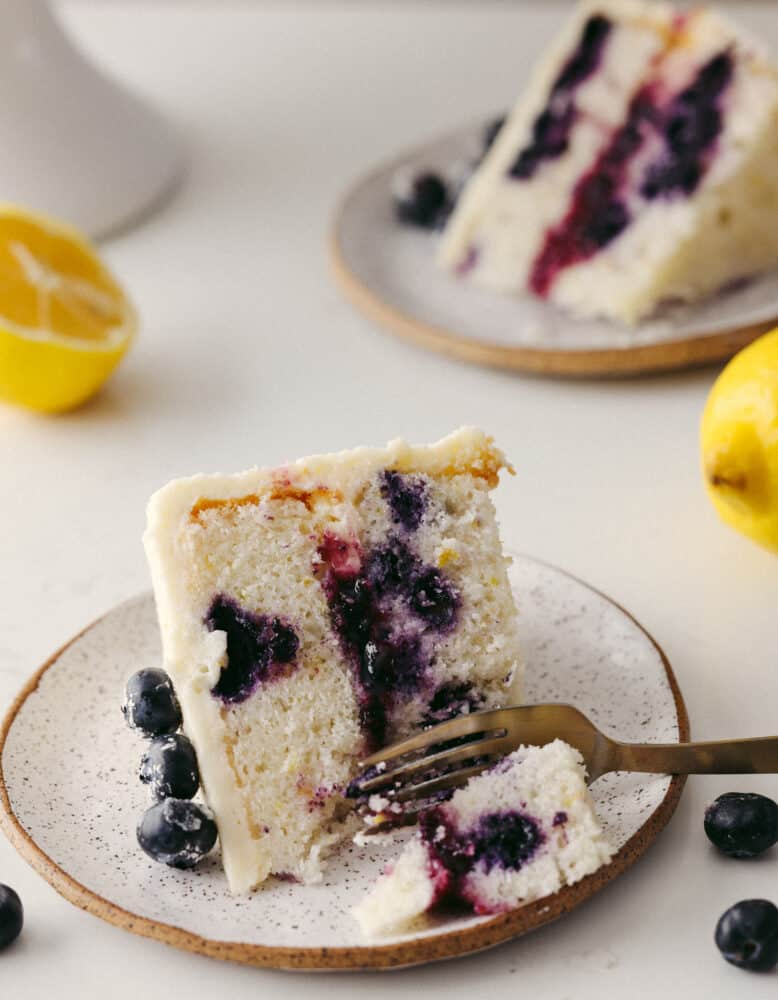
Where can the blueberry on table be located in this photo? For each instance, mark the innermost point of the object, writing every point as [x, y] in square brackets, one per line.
[177, 832]
[11, 915]
[742, 824]
[150, 703]
[420, 200]
[169, 767]
[747, 935]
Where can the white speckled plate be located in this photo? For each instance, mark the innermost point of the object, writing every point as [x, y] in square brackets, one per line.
[70, 795]
[388, 271]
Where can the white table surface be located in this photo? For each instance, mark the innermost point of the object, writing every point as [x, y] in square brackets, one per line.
[248, 355]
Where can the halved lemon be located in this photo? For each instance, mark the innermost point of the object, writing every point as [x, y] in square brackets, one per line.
[65, 322]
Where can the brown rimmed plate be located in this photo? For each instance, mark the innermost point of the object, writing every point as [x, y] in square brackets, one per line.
[70, 797]
[388, 271]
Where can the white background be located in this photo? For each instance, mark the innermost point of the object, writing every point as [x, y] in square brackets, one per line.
[247, 355]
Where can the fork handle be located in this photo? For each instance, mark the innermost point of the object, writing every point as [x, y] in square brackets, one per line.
[752, 756]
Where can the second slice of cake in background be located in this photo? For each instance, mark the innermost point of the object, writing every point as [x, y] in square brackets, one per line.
[640, 166]
[314, 612]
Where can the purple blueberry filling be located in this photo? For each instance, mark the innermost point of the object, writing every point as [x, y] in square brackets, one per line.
[390, 567]
[468, 262]
[560, 818]
[597, 213]
[387, 608]
[692, 122]
[451, 700]
[551, 129]
[259, 648]
[433, 598]
[507, 840]
[407, 498]
[319, 797]
[550, 138]
[396, 574]
[688, 125]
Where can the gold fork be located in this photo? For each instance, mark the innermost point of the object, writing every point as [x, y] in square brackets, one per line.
[445, 756]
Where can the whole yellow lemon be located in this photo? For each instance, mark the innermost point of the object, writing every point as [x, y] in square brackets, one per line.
[739, 442]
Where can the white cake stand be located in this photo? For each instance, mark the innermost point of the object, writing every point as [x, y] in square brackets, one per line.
[74, 143]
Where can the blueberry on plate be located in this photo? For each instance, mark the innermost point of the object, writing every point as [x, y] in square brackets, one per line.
[150, 703]
[742, 824]
[420, 199]
[11, 915]
[169, 767]
[177, 832]
[747, 935]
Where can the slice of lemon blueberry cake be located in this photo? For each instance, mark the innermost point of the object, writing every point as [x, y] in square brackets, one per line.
[317, 611]
[517, 832]
[641, 165]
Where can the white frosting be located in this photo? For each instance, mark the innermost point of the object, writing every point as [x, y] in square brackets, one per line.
[271, 766]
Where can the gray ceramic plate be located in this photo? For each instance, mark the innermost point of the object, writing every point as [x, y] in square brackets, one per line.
[388, 270]
[70, 795]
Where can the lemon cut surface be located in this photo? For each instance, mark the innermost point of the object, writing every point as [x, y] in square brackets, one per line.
[65, 322]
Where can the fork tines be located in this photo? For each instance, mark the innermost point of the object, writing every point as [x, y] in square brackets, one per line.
[436, 761]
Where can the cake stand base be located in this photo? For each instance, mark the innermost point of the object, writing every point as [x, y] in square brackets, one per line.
[76, 144]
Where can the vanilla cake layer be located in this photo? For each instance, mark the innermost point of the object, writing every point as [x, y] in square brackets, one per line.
[662, 186]
[315, 611]
[515, 833]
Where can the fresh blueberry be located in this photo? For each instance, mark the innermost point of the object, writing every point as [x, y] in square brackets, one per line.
[491, 132]
[177, 832]
[742, 824]
[169, 767]
[747, 935]
[150, 703]
[421, 200]
[11, 915]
